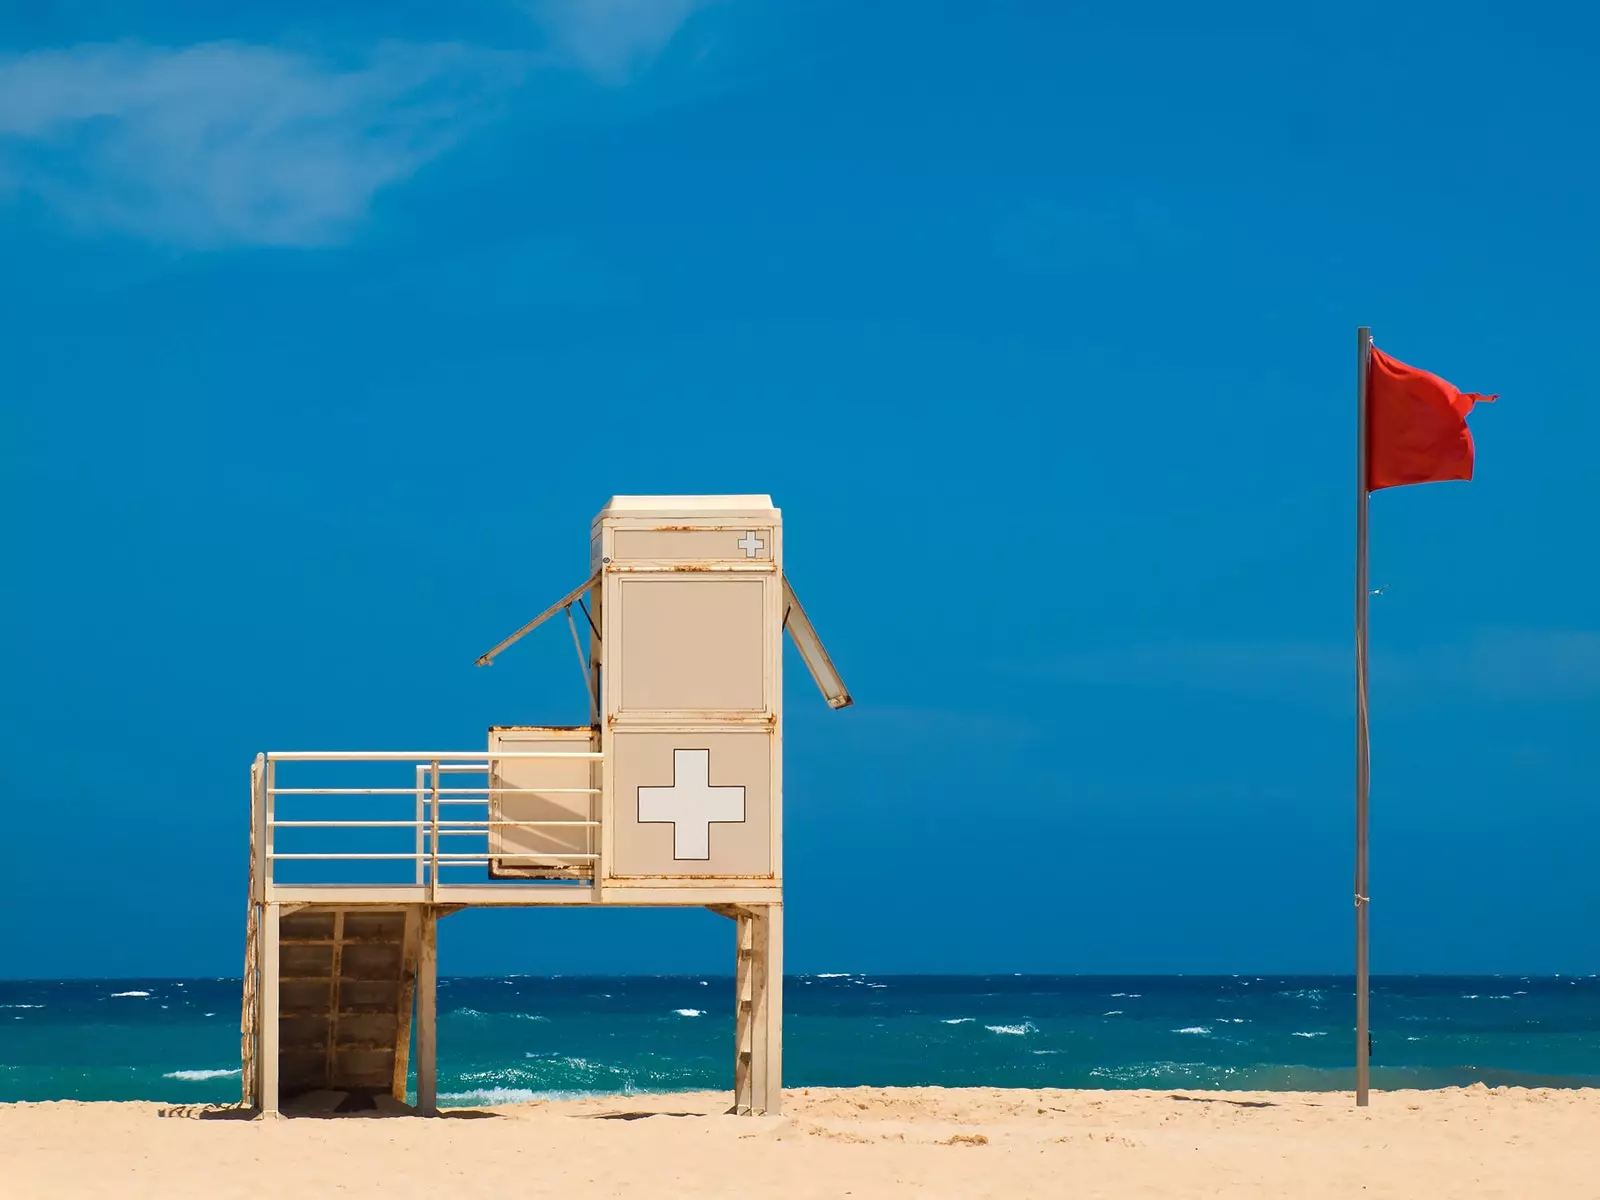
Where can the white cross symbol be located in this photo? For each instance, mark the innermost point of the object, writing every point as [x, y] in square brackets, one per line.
[691, 804]
[750, 543]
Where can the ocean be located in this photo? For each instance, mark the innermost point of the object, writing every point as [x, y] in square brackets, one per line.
[522, 1037]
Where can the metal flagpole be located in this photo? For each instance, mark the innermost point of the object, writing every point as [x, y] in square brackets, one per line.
[1363, 759]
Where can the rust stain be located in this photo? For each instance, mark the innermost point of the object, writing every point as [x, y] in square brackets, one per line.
[651, 879]
[539, 728]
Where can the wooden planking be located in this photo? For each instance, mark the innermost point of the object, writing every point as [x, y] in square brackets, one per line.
[335, 967]
[743, 955]
[345, 985]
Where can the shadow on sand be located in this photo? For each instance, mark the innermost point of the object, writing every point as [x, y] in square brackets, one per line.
[321, 1105]
[1224, 1100]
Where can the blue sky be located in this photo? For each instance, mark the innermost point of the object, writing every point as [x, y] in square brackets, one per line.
[326, 333]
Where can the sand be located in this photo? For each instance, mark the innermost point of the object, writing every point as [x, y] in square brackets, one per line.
[868, 1142]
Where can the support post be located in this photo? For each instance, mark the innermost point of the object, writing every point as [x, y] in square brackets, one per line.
[267, 1029]
[771, 1029]
[428, 1016]
[1363, 757]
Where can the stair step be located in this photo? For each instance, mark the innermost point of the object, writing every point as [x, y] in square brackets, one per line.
[342, 977]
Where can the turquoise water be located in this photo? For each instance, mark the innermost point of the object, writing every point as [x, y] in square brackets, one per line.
[520, 1037]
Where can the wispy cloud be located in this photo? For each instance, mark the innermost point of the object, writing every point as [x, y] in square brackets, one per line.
[227, 143]
[230, 143]
[611, 39]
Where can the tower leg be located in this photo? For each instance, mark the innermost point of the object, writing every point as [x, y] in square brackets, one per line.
[767, 1017]
[267, 995]
[428, 1016]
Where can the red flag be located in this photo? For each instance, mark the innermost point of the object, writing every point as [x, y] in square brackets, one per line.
[1416, 426]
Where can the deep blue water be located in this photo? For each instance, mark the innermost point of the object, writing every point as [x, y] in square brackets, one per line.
[519, 1037]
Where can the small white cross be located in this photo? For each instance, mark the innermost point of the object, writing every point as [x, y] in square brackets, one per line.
[691, 804]
[750, 543]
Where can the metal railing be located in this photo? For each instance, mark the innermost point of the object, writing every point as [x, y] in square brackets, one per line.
[447, 806]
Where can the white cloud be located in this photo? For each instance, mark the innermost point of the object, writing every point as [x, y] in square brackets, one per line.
[611, 38]
[227, 143]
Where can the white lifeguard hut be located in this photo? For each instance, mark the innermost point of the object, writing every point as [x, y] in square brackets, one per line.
[672, 795]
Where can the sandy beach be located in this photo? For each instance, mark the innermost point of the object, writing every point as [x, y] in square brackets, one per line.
[966, 1142]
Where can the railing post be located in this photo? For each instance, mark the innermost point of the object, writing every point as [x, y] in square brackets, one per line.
[258, 829]
[269, 808]
[420, 771]
[433, 848]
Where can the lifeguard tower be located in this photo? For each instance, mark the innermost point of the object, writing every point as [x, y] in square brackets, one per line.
[672, 795]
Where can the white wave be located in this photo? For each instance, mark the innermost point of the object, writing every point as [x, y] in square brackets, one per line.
[1231, 1020]
[529, 1017]
[1193, 1029]
[690, 1012]
[957, 1020]
[198, 1075]
[1317, 1033]
[116, 994]
[1014, 1030]
[466, 1012]
[1115, 1012]
[877, 985]
[21, 1006]
[493, 1095]
[833, 975]
[705, 983]
[210, 1014]
[1047, 1052]
[1474, 996]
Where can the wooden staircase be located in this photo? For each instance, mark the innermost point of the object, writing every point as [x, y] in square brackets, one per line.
[347, 979]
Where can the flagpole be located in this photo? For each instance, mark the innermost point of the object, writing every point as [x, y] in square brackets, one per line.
[1363, 759]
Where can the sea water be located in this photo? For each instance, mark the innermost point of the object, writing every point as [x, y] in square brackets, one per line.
[524, 1037]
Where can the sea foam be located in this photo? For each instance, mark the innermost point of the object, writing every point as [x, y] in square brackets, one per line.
[217, 1073]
